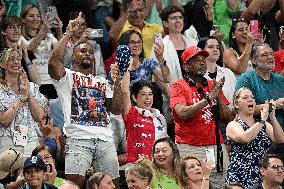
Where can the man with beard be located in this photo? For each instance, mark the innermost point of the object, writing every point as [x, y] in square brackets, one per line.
[263, 83]
[192, 100]
[272, 172]
[89, 141]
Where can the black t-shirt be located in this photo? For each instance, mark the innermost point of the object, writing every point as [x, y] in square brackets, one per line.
[179, 53]
[196, 16]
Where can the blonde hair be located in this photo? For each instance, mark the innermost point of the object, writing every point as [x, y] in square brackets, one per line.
[24, 13]
[4, 56]
[237, 95]
[141, 169]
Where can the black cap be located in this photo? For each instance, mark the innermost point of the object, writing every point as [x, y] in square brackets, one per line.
[34, 161]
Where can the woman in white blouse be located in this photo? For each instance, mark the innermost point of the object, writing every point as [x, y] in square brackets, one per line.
[21, 106]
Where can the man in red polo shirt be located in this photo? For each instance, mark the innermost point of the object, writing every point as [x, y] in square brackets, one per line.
[191, 100]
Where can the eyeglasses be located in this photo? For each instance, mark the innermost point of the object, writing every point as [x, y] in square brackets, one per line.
[46, 157]
[135, 43]
[15, 27]
[277, 167]
[176, 18]
[133, 12]
[18, 155]
[12, 58]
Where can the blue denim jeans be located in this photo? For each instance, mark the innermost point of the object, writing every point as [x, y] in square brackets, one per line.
[82, 154]
[56, 113]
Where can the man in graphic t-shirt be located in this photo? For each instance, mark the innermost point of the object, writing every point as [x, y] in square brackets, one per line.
[85, 100]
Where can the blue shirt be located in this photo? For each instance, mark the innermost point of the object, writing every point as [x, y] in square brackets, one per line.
[263, 90]
[144, 71]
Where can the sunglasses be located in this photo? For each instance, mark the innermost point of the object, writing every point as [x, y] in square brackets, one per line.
[238, 20]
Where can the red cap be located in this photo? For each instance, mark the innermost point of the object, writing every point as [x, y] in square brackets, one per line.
[191, 52]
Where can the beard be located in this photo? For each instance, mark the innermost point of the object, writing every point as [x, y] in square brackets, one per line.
[86, 64]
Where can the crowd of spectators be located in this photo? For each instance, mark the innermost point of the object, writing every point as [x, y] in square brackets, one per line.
[141, 94]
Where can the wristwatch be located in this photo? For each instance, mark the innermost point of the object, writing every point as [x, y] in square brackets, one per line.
[207, 98]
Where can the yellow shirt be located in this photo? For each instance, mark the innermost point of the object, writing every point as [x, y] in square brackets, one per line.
[147, 33]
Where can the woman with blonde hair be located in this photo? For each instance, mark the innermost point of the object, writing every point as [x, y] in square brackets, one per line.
[250, 139]
[21, 106]
[139, 176]
[195, 174]
[41, 42]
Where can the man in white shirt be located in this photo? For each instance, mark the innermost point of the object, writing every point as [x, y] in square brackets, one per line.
[85, 100]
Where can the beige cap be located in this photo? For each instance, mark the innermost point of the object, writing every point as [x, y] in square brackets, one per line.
[10, 161]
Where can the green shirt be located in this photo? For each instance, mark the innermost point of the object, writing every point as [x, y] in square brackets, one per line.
[58, 181]
[164, 182]
[223, 17]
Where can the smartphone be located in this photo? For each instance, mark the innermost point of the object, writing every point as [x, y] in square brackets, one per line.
[281, 30]
[210, 156]
[96, 33]
[51, 13]
[158, 38]
[123, 57]
[48, 167]
[270, 108]
[254, 27]
[215, 29]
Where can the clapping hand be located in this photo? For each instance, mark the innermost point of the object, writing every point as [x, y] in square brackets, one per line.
[24, 85]
[217, 87]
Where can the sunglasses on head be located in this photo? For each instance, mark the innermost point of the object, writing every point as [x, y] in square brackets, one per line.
[238, 20]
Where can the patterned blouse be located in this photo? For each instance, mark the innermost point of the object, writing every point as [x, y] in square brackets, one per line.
[144, 71]
[24, 118]
[245, 158]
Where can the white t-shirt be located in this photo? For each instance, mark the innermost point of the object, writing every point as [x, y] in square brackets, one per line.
[83, 102]
[43, 53]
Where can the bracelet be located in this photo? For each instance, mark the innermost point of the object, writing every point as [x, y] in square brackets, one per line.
[16, 109]
[24, 101]
[28, 64]
[206, 179]
[207, 98]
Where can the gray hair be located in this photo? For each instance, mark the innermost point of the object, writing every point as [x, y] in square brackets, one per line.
[255, 48]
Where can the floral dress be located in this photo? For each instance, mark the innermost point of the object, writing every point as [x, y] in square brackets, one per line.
[245, 158]
[24, 118]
